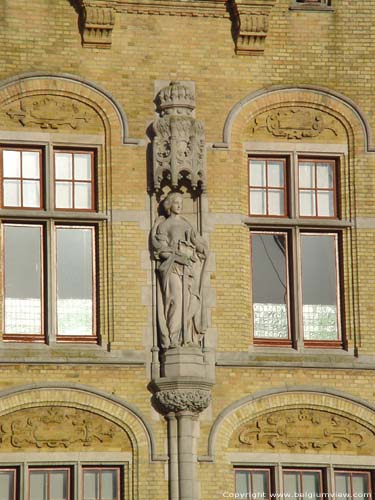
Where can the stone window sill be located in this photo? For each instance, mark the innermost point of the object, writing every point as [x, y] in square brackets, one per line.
[308, 7]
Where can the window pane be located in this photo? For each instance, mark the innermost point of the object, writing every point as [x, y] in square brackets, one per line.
[307, 203]
[257, 173]
[325, 204]
[11, 163]
[275, 202]
[90, 485]
[324, 175]
[109, 485]
[11, 193]
[82, 167]
[63, 166]
[82, 195]
[319, 287]
[31, 193]
[310, 484]
[242, 482]
[64, 195]
[23, 279]
[7, 485]
[342, 484]
[257, 202]
[270, 293]
[276, 174]
[291, 484]
[30, 164]
[38, 485]
[306, 175]
[360, 485]
[58, 485]
[260, 484]
[74, 281]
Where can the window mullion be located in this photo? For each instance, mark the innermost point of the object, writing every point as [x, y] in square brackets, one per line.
[293, 186]
[50, 281]
[297, 287]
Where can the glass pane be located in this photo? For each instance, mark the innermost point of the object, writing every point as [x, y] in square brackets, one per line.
[109, 485]
[257, 173]
[260, 485]
[82, 167]
[58, 485]
[11, 163]
[275, 202]
[74, 281]
[242, 482]
[291, 484]
[90, 485]
[325, 204]
[310, 484]
[38, 485]
[319, 287]
[23, 279]
[82, 195]
[257, 202]
[11, 193]
[324, 173]
[306, 175]
[276, 174]
[30, 164]
[63, 166]
[342, 481]
[360, 485]
[64, 195]
[307, 203]
[270, 293]
[31, 193]
[7, 485]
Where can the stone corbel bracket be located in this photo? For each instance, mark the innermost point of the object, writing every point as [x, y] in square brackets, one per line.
[96, 21]
[251, 22]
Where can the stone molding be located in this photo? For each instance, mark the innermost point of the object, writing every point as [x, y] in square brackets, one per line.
[182, 394]
[251, 24]
[97, 25]
[179, 140]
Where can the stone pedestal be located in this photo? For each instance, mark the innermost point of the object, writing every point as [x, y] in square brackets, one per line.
[184, 362]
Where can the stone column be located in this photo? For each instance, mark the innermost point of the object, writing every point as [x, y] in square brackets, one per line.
[173, 456]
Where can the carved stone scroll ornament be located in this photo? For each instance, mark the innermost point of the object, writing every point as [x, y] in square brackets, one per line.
[193, 400]
[179, 142]
[49, 113]
[57, 427]
[251, 24]
[294, 123]
[302, 429]
[181, 255]
[97, 25]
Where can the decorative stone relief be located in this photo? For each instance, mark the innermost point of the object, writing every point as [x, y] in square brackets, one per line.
[59, 428]
[251, 25]
[300, 430]
[194, 400]
[179, 142]
[97, 24]
[49, 113]
[181, 254]
[294, 123]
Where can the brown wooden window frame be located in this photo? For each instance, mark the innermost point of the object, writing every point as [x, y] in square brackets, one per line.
[353, 472]
[250, 471]
[265, 189]
[294, 226]
[300, 472]
[21, 178]
[119, 473]
[15, 472]
[49, 470]
[49, 218]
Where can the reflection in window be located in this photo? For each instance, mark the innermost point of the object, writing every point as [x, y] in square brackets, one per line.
[319, 286]
[75, 277]
[73, 181]
[302, 484]
[21, 179]
[270, 290]
[50, 484]
[267, 187]
[316, 188]
[101, 483]
[353, 484]
[253, 483]
[22, 279]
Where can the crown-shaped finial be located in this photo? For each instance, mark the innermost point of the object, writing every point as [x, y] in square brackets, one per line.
[176, 96]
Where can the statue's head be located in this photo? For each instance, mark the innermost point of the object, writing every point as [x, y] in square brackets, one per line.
[173, 203]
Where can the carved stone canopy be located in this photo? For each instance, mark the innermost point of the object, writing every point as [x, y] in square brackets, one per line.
[97, 20]
[304, 430]
[179, 142]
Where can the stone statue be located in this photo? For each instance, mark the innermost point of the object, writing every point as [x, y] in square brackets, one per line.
[182, 255]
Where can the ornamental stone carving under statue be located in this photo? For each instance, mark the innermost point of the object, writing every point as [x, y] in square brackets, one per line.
[181, 254]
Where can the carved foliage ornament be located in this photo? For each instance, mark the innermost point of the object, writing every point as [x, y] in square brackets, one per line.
[49, 113]
[194, 400]
[294, 123]
[305, 430]
[179, 142]
[57, 427]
